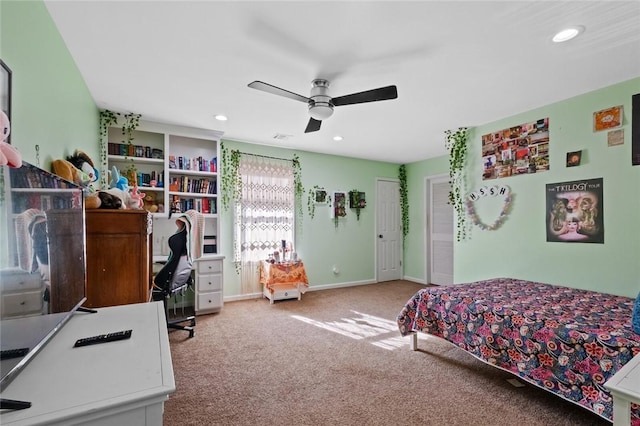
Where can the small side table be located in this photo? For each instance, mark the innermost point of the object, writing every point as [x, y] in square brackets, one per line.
[287, 280]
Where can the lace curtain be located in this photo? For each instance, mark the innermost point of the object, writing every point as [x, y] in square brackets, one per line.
[265, 215]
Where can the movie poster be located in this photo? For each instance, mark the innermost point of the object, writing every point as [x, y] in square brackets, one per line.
[517, 150]
[575, 212]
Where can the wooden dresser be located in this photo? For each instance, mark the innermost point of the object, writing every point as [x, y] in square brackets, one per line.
[119, 257]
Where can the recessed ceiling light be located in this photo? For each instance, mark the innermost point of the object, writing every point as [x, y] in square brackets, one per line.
[567, 34]
[337, 138]
[221, 117]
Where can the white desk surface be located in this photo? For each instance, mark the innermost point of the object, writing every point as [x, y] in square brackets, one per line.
[63, 382]
[625, 388]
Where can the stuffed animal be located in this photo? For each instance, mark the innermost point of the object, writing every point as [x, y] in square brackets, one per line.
[9, 155]
[109, 201]
[68, 171]
[137, 198]
[150, 203]
[118, 181]
[84, 163]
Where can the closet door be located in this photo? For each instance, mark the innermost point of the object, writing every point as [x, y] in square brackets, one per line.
[441, 228]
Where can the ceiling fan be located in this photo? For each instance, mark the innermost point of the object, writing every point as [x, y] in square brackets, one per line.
[321, 104]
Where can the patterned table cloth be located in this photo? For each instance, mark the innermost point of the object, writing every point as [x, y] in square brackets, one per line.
[564, 340]
[287, 274]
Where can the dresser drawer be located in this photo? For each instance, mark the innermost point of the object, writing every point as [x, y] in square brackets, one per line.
[209, 266]
[29, 302]
[20, 281]
[209, 301]
[208, 283]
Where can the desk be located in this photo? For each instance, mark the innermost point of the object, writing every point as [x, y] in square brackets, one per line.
[286, 280]
[625, 388]
[117, 383]
[208, 283]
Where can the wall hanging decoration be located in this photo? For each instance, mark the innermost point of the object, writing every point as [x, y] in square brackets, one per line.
[456, 144]
[339, 206]
[574, 158]
[575, 211]
[357, 201]
[615, 137]
[493, 191]
[517, 150]
[317, 196]
[609, 118]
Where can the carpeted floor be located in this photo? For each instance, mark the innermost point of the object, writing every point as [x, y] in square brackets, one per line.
[336, 358]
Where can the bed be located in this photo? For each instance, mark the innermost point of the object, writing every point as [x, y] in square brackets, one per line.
[564, 340]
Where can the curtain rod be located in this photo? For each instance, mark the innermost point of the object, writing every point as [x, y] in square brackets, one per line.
[265, 156]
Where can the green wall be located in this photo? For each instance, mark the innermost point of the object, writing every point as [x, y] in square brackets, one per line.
[53, 108]
[51, 105]
[350, 246]
[519, 248]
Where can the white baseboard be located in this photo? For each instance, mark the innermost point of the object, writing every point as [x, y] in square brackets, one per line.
[414, 280]
[312, 288]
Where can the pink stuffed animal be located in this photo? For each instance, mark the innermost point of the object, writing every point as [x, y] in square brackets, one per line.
[137, 198]
[8, 154]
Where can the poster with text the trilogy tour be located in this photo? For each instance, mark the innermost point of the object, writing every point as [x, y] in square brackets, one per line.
[575, 212]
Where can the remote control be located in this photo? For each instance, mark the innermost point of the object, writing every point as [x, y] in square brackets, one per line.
[13, 353]
[103, 338]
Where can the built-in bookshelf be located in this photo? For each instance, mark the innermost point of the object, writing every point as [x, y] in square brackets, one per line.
[176, 167]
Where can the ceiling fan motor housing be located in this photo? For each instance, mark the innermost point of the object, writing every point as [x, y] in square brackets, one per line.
[320, 106]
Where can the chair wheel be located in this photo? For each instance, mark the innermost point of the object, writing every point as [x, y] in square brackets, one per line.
[191, 333]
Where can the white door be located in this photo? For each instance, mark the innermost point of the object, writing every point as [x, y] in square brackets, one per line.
[440, 229]
[388, 230]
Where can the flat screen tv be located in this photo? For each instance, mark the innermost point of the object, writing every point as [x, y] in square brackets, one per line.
[42, 262]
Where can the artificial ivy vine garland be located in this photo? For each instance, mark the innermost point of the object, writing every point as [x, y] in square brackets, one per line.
[488, 191]
[107, 119]
[404, 200]
[456, 143]
[297, 186]
[231, 182]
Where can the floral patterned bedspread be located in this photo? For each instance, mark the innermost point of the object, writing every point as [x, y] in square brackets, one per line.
[564, 340]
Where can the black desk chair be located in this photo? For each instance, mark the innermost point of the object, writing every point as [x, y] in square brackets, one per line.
[175, 276]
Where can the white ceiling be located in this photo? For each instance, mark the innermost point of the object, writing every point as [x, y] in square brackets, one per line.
[454, 63]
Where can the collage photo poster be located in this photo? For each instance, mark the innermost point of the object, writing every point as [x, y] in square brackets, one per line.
[575, 211]
[517, 150]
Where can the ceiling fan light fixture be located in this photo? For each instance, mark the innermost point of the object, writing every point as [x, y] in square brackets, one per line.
[320, 110]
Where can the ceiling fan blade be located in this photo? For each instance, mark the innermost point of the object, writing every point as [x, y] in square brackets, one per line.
[313, 126]
[380, 94]
[265, 87]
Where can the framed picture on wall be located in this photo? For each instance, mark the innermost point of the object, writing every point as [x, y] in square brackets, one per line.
[609, 118]
[574, 158]
[320, 196]
[5, 91]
